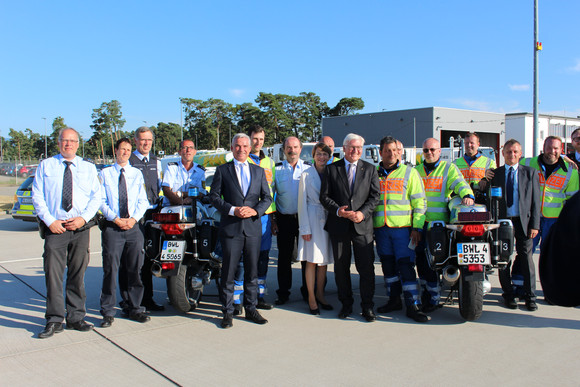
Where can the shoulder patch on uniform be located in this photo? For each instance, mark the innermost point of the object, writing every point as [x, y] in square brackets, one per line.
[279, 164]
[172, 163]
[88, 161]
[201, 167]
[308, 162]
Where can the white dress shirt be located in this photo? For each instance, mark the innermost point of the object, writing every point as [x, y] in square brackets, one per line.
[136, 196]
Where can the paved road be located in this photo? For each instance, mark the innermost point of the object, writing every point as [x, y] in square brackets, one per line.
[505, 347]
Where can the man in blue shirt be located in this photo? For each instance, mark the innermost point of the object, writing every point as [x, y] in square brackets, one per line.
[124, 202]
[66, 195]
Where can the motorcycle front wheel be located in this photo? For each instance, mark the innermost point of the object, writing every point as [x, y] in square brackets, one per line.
[470, 298]
[181, 295]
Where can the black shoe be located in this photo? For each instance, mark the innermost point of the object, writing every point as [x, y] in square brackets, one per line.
[255, 316]
[50, 329]
[510, 302]
[262, 304]
[151, 305]
[392, 305]
[414, 313]
[324, 306]
[315, 312]
[227, 321]
[531, 305]
[107, 321]
[429, 308]
[281, 300]
[369, 315]
[237, 309]
[140, 317]
[345, 311]
[81, 325]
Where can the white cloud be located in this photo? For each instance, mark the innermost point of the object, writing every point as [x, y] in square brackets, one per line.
[237, 92]
[519, 87]
[472, 104]
[576, 68]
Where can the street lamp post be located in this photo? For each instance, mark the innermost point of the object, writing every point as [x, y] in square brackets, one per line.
[45, 143]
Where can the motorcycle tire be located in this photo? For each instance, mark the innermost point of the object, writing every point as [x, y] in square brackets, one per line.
[470, 298]
[181, 296]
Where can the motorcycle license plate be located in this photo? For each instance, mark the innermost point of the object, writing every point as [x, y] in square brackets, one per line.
[473, 253]
[172, 250]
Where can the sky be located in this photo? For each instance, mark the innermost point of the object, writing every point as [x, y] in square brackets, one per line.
[65, 58]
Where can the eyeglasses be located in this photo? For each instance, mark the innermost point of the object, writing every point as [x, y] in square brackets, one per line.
[188, 148]
[357, 148]
[432, 150]
[68, 141]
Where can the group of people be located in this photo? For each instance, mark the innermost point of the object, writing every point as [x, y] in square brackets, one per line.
[321, 211]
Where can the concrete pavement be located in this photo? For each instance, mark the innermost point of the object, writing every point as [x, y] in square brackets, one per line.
[504, 347]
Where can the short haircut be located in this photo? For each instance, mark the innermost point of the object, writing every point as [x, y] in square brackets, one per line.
[577, 130]
[143, 129]
[239, 135]
[183, 142]
[473, 134]
[289, 137]
[553, 138]
[350, 137]
[256, 129]
[387, 140]
[512, 142]
[68, 128]
[122, 140]
[323, 147]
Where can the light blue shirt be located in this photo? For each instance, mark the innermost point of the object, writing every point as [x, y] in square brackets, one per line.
[179, 179]
[286, 183]
[47, 190]
[137, 201]
[514, 210]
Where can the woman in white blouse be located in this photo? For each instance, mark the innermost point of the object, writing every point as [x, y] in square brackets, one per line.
[314, 245]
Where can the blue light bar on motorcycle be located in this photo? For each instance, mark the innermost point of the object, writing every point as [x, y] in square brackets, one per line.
[496, 192]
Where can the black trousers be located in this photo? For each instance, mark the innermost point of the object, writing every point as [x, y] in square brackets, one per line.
[122, 249]
[287, 239]
[524, 261]
[68, 250]
[233, 248]
[364, 259]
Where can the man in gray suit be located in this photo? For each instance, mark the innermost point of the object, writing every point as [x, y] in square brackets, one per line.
[520, 202]
[241, 194]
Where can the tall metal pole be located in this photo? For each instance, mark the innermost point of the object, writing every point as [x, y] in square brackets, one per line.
[536, 120]
[45, 144]
[181, 108]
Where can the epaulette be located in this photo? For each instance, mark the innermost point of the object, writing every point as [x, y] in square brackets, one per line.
[172, 163]
[279, 164]
[201, 167]
[88, 160]
[308, 163]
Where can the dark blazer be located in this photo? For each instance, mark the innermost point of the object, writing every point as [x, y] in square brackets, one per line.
[335, 193]
[530, 200]
[226, 192]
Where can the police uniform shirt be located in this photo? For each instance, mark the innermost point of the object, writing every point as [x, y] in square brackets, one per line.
[177, 178]
[137, 202]
[47, 189]
[141, 156]
[286, 184]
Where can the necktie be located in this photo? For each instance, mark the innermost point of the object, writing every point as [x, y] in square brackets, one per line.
[67, 188]
[145, 160]
[123, 203]
[509, 187]
[351, 168]
[244, 179]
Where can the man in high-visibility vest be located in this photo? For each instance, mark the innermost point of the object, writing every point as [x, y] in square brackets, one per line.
[327, 140]
[398, 220]
[258, 157]
[441, 179]
[473, 164]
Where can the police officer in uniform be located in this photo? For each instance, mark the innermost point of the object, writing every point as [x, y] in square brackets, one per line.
[150, 166]
[124, 203]
[182, 175]
[473, 164]
[66, 195]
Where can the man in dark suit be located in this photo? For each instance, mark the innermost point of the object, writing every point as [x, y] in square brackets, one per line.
[240, 192]
[520, 202]
[575, 156]
[350, 192]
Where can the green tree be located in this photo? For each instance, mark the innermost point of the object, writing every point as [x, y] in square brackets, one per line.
[346, 107]
[107, 123]
[167, 137]
[209, 123]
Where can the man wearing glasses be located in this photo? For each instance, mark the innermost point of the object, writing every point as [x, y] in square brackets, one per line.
[575, 156]
[441, 179]
[182, 175]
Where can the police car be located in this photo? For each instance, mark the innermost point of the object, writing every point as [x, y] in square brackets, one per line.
[23, 208]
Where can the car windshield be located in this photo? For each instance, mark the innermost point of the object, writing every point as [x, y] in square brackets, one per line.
[27, 184]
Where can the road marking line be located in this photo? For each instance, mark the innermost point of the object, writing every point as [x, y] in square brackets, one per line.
[34, 259]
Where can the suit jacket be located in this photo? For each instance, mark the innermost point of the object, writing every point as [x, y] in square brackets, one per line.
[530, 200]
[335, 193]
[226, 193]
